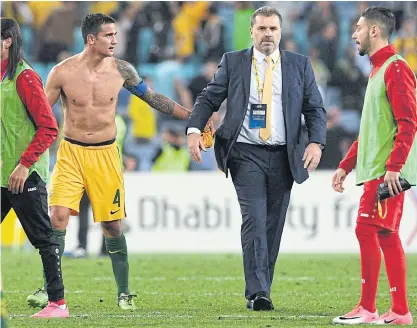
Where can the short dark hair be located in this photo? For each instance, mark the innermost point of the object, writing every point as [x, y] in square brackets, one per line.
[10, 29]
[267, 12]
[383, 17]
[91, 24]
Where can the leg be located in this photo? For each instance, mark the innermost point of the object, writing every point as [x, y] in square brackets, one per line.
[106, 192]
[32, 210]
[370, 255]
[117, 248]
[103, 246]
[396, 268]
[370, 264]
[59, 219]
[5, 203]
[395, 261]
[249, 179]
[83, 217]
[280, 182]
[67, 188]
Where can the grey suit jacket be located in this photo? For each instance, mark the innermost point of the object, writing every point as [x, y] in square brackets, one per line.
[300, 95]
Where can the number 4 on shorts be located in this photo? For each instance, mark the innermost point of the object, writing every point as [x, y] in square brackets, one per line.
[116, 199]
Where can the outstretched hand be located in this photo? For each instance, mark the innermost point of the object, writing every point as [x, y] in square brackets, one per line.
[337, 180]
[195, 146]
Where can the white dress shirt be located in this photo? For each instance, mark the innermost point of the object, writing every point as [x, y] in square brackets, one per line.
[277, 116]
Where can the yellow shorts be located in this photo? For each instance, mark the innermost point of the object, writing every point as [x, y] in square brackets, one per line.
[95, 169]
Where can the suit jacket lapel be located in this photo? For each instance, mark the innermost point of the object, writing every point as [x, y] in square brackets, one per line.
[245, 69]
[286, 79]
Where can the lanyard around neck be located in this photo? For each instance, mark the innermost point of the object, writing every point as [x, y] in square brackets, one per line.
[258, 83]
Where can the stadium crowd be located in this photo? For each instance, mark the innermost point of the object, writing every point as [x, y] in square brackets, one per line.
[176, 47]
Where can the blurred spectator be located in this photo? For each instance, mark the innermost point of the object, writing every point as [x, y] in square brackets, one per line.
[290, 45]
[362, 62]
[172, 155]
[212, 34]
[406, 42]
[124, 17]
[327, 42]
[160, 15]
[243, 13]
[350, 79]
[19, 11]
[188, 95]
[319, 14]
[337, 143]
[157, 17]
[57, 32]
[320, 70]
[41, 11]
[289, 10]
[185, 26]
[104, 7]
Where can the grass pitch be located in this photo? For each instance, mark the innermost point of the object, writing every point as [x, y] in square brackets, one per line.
[195, 291]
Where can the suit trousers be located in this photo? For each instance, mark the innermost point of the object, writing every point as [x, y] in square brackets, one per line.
[263, 182]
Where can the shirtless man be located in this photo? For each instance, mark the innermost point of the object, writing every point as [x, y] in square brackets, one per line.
[88, 84]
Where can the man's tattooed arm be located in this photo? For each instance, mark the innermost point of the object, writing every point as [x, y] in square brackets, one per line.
[154, 99]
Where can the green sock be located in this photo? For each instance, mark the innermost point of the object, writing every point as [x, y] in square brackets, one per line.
[117, 249]
[60, 237]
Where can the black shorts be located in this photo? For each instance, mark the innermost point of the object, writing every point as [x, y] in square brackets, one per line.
[31, 208]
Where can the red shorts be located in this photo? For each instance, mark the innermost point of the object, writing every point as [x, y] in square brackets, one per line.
[386, 214]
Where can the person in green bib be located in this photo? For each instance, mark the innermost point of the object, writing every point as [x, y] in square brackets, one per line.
[28, 128]
[386, 150]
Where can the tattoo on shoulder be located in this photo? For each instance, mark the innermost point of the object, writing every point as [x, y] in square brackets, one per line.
[159, 102]
[128, 72]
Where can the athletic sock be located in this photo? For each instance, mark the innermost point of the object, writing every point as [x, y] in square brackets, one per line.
[370, 264]
[117, 249]
[396, 267]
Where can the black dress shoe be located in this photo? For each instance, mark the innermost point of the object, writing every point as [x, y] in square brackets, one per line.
[262, 302]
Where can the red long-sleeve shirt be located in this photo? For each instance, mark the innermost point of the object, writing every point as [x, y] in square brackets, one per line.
[401, 91]
[30, 90]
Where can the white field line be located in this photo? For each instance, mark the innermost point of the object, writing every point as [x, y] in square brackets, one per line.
[156, 315]
[231, 278]
[185, 316]
[210, 294]
[238, 278]
[242, 316]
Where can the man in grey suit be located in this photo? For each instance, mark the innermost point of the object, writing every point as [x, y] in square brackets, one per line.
[260, 141]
